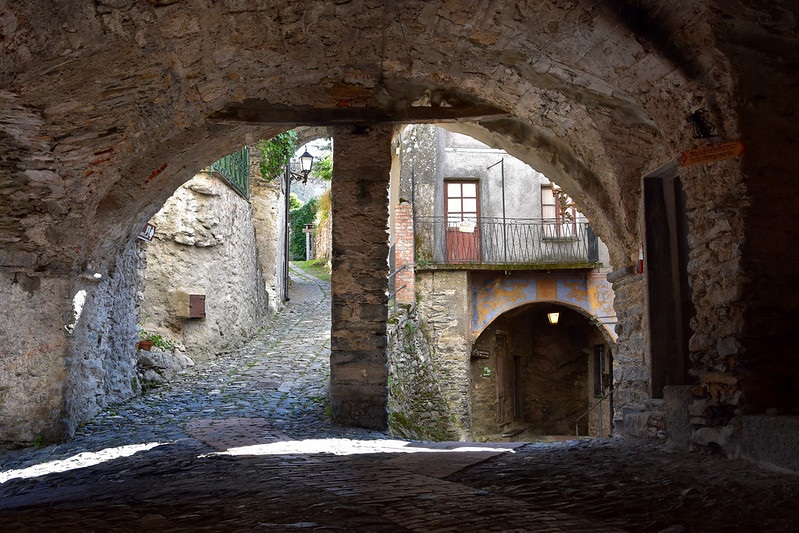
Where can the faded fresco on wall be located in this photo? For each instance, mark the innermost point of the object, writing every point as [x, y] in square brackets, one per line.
[491, 296]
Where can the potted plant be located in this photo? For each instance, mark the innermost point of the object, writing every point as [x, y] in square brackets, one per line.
[148, 340]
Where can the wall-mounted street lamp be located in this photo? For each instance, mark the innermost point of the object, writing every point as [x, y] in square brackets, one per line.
[553, 318]
[703, 128]
[306, 163]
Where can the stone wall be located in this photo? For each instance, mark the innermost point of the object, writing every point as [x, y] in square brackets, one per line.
[591, 94]
[102, 363]
[204, 244]
[630, 370]
[534, 376]
[90, 349]
[443, 306]
[31, 385]
[268, 216]
[417, 407]
[359, 209]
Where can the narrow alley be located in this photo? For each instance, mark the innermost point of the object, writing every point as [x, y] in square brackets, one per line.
[244, 443]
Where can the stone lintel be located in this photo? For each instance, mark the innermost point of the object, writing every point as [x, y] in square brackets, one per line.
[391, 102]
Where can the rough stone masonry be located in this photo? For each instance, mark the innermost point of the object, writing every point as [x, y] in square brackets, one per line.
[106, 107]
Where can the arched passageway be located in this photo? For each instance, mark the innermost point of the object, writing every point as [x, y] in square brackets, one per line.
[536, 375]
[108, 107]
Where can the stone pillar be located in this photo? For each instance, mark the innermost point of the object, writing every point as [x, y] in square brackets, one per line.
[33, 351]
[359, 201]
[403, 253]
[630, 372]
[67, 346]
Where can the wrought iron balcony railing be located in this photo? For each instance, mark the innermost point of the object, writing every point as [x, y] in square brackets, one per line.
[234, 169]
[494, 241]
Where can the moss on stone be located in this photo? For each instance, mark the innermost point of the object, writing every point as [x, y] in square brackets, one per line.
[417, 406]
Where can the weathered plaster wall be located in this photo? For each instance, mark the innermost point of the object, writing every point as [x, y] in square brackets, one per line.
[493, 294]
[34, 356]
[268, 216]
[85, 335]
[204, 244]
[465, 157]
[420, 160]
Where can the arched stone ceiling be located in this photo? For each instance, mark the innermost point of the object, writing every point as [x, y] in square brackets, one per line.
[109, 105]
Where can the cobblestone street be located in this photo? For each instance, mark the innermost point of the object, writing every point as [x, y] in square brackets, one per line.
[244, 443]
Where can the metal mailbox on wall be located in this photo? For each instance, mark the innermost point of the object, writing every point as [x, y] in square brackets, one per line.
[196, 306]
[189, 303]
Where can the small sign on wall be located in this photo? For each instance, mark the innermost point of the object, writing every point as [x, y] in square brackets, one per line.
[710, 154]
[147, 233]
[480, 354]
[467, 226]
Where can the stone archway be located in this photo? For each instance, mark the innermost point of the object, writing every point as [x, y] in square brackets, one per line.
[108, 107]
[535, 377]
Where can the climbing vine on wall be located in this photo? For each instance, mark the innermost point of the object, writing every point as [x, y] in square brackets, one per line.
[276, 153]
[323, 168]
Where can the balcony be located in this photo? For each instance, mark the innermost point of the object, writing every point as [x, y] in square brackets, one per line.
[234, 170]
[510, 244]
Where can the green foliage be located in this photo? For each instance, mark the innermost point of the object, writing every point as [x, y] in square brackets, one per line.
[323, 169]
[323, 210]
[315, 267]
[294, 202]
[276, 153]
[299, 217]
[157, 339]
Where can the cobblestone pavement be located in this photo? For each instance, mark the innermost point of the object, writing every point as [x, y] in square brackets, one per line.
[243, 443]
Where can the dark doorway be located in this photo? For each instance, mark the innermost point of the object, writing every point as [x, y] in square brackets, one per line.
[666, 258]
[539, 377]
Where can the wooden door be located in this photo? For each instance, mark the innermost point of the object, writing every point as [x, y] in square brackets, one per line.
[508, 372]
[462, 206]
